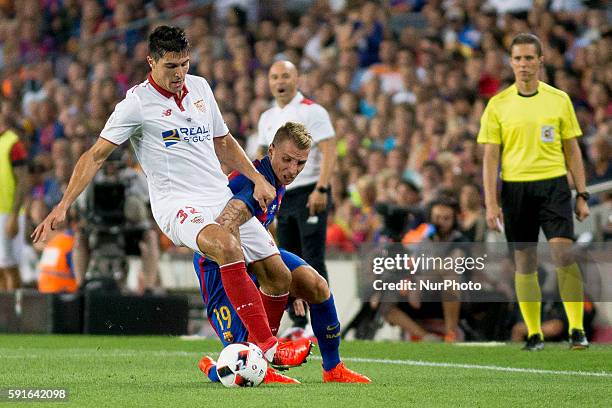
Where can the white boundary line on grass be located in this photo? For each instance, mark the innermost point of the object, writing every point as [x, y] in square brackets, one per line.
[105, 353]
[95, 353]
[479, 344]
[473, 366]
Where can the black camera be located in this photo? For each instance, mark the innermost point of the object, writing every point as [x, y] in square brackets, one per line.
[397, 220]
[105, 231]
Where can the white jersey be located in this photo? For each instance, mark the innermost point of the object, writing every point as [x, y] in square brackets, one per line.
[316, 120]
[173, 140]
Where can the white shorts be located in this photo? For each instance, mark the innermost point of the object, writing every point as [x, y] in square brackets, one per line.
[189, 220]
[10, 249]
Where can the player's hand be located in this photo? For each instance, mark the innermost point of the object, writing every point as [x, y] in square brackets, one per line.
[299, 307]
[53, 221]
[582, 210]
[317, 202]
[264, 193]
[11, 227]
[495, 218]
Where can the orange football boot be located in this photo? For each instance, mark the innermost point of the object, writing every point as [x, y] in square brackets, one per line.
[341, 374]
[291, 354]
[450, 337]
[205, 364]
[273, 376]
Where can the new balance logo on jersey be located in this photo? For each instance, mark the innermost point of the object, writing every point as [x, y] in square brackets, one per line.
[167, 112]
[191, 135]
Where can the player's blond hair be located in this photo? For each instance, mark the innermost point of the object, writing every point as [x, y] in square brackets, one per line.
[295, 132]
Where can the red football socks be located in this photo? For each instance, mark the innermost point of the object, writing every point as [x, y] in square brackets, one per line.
[245, 298]
[275, 307]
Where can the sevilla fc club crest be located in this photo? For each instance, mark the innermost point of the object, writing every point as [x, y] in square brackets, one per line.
[199, 104]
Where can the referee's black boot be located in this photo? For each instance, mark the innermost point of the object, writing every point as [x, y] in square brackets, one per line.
[578, 340]
[534, 343]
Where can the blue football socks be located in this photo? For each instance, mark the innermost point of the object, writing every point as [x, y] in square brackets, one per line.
[212, 374]
[326, 327]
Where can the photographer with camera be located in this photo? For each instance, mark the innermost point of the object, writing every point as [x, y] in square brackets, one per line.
[415, 315]
[114, 224]
[402, 212]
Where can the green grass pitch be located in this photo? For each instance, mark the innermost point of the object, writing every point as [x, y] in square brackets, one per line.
[162, 371]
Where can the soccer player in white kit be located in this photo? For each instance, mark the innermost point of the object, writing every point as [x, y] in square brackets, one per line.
[179, 137]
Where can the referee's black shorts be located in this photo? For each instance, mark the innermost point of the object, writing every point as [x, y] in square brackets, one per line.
[531, 205]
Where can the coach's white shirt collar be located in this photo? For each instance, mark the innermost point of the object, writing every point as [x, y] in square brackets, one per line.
[296, 99]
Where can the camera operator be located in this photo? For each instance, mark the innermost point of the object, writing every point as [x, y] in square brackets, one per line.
[115, 223]
[399, 214]
[410, 314]
[403, 212]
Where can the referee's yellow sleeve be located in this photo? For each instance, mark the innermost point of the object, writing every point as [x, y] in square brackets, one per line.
[569, 123]
[490, 130]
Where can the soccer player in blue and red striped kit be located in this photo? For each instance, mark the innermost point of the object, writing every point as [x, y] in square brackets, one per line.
[287, 157]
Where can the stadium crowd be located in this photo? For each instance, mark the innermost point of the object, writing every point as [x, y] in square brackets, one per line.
[405, 83]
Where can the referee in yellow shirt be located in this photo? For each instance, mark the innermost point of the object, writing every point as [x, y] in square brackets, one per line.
[534, 127]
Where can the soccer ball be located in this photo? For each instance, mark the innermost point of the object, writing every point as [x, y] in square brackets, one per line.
[241, 365]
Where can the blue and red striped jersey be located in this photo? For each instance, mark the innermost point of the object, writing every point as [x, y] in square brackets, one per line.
[243, 188]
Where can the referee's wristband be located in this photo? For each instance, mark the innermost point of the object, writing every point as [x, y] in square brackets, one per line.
[585, 195]
[323, 190]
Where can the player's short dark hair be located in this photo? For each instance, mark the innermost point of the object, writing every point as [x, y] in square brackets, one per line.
[296, 132]
[527, 38]
[166, 39]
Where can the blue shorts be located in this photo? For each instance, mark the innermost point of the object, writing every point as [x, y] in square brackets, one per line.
[221, 314]
[291, 260]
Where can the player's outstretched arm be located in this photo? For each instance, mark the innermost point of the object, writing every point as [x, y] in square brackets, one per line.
[84, 171]
[231, 154]
[233, 216]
